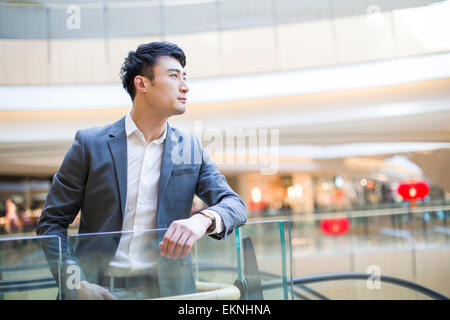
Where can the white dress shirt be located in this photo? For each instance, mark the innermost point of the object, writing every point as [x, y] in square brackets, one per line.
[135, 252]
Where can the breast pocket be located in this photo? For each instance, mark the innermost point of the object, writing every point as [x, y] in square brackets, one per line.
[182, 184]
[181, 172]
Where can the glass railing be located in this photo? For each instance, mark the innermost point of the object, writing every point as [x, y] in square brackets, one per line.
[128, 265]
[25, 271]
[112, 275]
[411, 244]
[217, 262]
[402, 255]
[265, 248]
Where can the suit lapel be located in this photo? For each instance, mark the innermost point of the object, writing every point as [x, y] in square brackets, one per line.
[166, 162]
[118, 148]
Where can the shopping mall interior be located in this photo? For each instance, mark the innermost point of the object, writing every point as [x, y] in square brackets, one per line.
[311, 109]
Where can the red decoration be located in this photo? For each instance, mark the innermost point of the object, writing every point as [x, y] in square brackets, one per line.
[412, 190]
[335, 226]
[256, 206]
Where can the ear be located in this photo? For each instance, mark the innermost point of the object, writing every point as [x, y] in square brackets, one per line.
[140, 84]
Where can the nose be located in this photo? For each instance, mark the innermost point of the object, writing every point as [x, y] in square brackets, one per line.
[184, 88]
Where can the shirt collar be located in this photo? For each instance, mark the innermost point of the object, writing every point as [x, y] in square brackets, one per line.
[130, 128]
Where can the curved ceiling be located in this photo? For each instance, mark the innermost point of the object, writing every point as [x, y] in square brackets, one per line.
[317, 131]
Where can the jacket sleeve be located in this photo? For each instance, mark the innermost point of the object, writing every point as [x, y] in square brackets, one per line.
[61, 207]
[213, 189]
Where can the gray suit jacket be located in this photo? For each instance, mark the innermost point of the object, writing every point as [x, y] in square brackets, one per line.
[93, 178]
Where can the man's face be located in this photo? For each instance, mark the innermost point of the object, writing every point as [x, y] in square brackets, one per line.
[166, 94]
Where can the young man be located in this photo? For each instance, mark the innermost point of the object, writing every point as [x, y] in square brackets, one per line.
[127, 176]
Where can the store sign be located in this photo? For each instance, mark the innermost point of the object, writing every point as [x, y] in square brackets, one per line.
[413, 190]
[335, 226]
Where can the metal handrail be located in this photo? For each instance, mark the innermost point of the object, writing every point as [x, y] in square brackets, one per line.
[351, 214]
[23, 267]
[209, 291]
[28, 286]
[4, 283]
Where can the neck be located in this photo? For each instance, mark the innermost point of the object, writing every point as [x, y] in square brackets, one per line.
[150, 124]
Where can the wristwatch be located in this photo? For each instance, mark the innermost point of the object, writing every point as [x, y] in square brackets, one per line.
[213, 219]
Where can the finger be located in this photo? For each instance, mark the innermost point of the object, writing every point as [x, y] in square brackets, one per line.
[187, 247]
[108, 296]
[180, 245]
[173, 243]
[166, 238]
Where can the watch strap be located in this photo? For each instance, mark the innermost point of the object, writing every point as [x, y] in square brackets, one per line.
[212, 227]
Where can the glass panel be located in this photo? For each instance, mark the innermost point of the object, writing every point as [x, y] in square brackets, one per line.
[216, 261]
[266, 257]
[382, 249]
[25, 273]
[128, 266]
[431, 227]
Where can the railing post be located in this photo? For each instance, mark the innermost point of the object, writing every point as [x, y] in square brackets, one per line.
[238, 253]
[283, 259]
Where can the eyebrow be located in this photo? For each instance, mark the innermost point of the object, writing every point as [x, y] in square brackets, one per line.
[177, 71]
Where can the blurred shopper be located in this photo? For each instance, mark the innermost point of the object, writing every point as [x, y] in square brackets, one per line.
[129, 176]
[12, 218]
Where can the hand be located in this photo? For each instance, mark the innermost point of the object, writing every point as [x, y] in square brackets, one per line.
[90, 291]
[183, 233]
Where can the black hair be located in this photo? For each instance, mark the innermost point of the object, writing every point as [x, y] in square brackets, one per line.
[141, 62]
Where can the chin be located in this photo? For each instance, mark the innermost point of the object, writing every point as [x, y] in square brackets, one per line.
[180, 110]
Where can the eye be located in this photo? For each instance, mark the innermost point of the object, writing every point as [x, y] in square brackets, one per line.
[174, 75]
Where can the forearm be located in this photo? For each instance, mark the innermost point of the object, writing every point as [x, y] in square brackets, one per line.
[233, 214]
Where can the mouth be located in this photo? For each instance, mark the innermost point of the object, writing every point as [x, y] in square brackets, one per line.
[182, 100]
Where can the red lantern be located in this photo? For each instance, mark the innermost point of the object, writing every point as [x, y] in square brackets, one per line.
[412, 190]
[256, 206]
[335, 226]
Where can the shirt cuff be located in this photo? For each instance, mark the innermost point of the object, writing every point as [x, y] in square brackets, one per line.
[219, 222]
